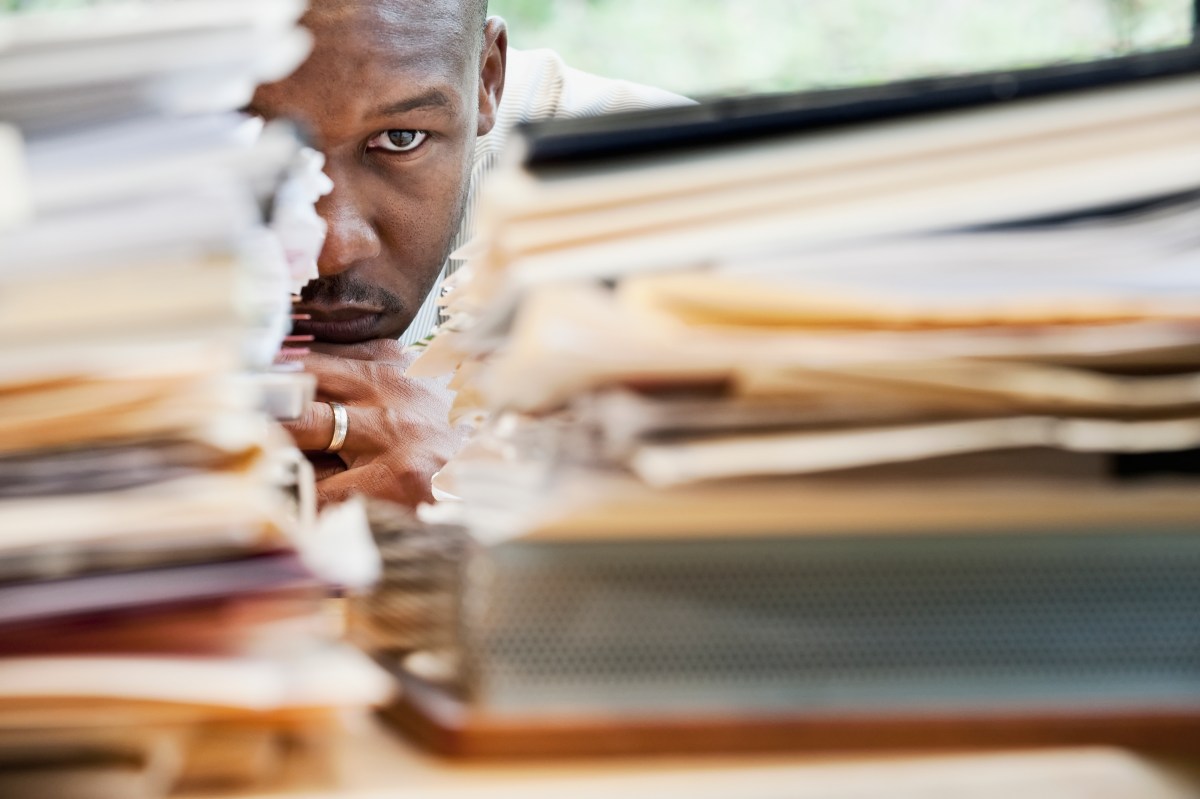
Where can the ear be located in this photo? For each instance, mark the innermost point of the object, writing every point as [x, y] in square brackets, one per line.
[493, 63]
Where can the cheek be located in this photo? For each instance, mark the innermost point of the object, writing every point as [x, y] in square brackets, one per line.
[416, 215]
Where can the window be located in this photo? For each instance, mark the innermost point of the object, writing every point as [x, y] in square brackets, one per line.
[707, 47]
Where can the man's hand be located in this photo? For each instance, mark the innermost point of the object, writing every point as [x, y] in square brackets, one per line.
[399, 434]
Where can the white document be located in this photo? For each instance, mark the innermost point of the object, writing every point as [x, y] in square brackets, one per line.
[15, 199]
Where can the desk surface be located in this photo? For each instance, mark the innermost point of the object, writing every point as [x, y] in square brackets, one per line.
[374, 764]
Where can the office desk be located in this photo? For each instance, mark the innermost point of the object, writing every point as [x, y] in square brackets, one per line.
[373, 763]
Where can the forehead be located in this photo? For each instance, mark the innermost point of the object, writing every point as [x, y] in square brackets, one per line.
[368, 52]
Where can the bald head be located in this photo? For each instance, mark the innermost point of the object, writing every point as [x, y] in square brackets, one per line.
[463, 19]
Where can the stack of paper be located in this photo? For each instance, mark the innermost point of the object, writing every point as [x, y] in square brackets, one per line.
[815, 421]
[1008, 276]
[156, 622]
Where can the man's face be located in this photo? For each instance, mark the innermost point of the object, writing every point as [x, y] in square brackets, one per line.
[395, 94]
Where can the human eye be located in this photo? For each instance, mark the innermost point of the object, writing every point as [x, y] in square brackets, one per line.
[398, 141]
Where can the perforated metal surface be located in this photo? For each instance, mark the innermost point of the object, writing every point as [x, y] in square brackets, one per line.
[415, 605]
[870, 623]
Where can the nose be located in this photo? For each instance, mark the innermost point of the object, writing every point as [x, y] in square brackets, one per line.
[350, 238]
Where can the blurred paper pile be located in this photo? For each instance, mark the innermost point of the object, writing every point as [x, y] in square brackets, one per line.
[903, 285]
[826, 412]
[157, 625]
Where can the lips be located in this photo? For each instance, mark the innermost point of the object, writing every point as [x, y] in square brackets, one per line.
[339, 325]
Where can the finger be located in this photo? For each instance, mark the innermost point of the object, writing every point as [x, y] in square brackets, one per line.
[345, 486]
[352, 381]
[313, 431]
[325, 465]
[337, 378]
[376, 481]
[376, 350]
[337, 488]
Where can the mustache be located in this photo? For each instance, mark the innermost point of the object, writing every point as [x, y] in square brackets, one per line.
[342, 289]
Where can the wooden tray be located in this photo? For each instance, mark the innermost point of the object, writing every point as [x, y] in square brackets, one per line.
[441, 723]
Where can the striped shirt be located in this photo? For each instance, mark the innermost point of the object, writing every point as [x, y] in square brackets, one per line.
[538, 86]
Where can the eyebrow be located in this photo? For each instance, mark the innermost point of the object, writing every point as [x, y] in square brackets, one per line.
[434, 98]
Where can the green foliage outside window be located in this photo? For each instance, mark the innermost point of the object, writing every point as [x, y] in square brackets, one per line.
[704, 47]
[708, 47]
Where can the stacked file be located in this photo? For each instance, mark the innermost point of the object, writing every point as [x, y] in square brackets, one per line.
[867, 405]
[158, 625]
[907, 287]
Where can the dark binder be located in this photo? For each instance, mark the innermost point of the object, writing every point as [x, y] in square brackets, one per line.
[712, 124]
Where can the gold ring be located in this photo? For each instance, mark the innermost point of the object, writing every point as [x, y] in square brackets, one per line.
[341, 426]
